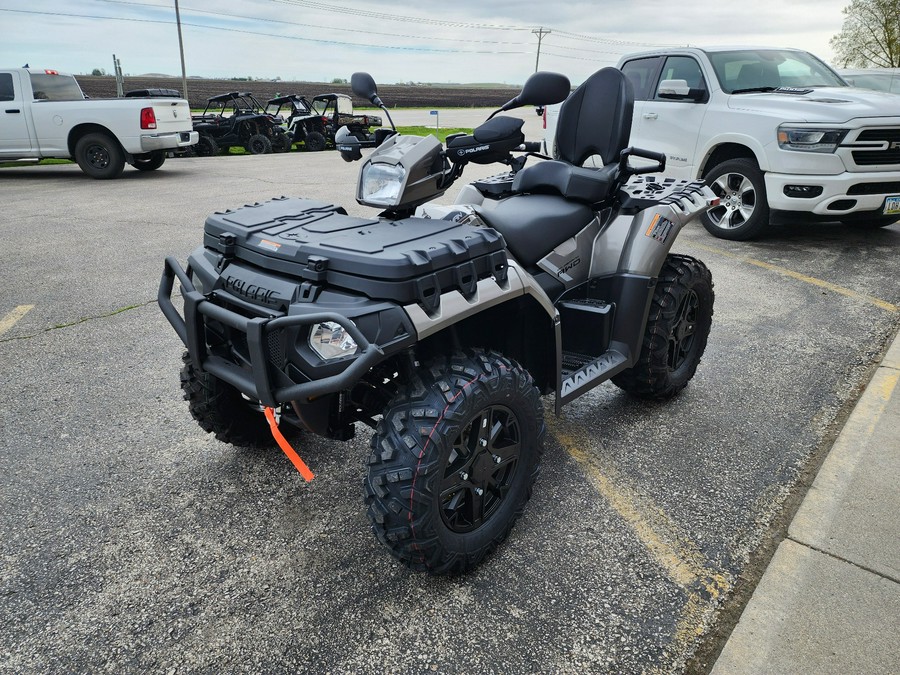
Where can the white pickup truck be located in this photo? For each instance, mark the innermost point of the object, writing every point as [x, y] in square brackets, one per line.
[769, 130]
[43, 113]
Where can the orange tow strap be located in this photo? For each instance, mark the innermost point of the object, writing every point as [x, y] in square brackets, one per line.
[292, 455]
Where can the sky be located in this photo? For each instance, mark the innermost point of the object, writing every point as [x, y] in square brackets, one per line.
[464, 41]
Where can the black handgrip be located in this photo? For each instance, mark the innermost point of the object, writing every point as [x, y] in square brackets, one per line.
[658, 157]
[531, 146]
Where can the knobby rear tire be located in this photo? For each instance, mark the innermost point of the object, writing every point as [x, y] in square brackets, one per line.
[676, 333]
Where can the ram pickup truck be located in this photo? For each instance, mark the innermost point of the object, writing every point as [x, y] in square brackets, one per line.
[770, 130]
[43, 113]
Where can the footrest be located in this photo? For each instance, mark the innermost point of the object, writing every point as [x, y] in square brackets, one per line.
[581, 373]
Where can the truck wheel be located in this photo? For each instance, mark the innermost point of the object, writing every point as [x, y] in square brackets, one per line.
[220, 409]
[869, 221]
[99, 155]
[315, 142]
[744, 211]
[676, 333]
[206, 146]
[258, 144]
[453, 461]
[150, 163]
[281, 142]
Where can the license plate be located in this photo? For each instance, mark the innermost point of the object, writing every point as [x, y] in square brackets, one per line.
[892, 205]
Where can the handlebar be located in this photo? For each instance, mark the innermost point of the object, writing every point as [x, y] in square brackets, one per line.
[658, 157]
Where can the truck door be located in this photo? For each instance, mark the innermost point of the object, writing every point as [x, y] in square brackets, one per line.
[14, 138]
[672, 124]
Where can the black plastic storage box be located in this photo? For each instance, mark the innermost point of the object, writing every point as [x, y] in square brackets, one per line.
[406, 260]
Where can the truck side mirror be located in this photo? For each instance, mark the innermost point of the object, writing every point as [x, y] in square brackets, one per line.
[674, 89]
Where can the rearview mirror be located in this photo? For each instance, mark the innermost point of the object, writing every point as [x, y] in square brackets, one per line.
[678, 90]
[544, 88]
[363, 85]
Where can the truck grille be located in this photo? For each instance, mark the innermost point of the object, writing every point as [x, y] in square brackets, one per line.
[892, 187]
[871, 157]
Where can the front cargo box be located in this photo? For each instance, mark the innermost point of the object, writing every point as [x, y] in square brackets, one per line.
[406, 260]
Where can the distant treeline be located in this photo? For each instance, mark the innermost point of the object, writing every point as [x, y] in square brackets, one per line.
[394, 95]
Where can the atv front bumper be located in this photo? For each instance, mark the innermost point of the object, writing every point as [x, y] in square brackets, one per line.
[261, 380]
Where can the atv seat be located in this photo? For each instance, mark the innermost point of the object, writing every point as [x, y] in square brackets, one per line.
[553, 200]
[534, 224]
[594, 120]
[572, 182]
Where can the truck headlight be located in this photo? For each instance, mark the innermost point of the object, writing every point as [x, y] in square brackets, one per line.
[810, 140]
[330, 340]
[381, 183]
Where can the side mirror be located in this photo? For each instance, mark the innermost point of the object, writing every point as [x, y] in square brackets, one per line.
[542, 88]
[363, 85]
[678, 90]
[348, 145]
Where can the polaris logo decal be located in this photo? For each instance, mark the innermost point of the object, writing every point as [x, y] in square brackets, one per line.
[250, 291]
[574, 262]
[271, 245]
[462, 152]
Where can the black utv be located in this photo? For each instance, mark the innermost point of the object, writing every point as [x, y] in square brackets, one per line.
[315, 123]
[237, 119]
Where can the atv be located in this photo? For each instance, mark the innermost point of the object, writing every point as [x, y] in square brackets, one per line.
[442, 327]
[315, 123]
[237, 119]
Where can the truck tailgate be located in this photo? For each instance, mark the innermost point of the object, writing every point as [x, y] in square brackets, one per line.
[171, 115]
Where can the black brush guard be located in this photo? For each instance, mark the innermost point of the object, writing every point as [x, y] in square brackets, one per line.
[257, 383]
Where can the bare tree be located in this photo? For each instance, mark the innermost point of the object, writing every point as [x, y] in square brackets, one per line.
[870, 35]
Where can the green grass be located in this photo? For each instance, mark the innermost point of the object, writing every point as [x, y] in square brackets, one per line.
[42, 162]
[441, 133]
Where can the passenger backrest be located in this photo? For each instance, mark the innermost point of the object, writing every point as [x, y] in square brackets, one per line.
[596, 118]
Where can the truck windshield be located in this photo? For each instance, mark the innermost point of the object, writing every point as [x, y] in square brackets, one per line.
[48, 87]
[750, 70]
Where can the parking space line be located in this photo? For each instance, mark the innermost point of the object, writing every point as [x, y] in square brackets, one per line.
[680, 558]
[13, 317]
[801, 277]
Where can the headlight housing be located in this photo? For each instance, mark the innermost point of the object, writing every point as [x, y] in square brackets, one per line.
[330, 340]
[810, 140]
[381, 183]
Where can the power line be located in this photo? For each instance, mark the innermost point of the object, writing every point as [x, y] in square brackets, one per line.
[309, 25]
[272, 35]
[353, 11]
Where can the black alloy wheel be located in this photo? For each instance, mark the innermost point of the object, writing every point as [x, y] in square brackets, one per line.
[480, 469]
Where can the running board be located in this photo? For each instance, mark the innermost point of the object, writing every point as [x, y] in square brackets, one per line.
[581, 373]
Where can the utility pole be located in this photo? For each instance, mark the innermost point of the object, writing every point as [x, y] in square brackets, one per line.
[540, 32]
[120, 81]
[184, 93]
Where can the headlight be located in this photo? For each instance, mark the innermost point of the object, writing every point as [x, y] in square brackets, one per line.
[381, 183]
[330, 340]
[810, 140]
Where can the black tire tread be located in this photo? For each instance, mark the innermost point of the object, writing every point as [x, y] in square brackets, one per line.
[402, 473]
[650, 377]
[219, 409]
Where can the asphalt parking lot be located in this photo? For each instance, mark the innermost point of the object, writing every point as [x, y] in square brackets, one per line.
[132, 541]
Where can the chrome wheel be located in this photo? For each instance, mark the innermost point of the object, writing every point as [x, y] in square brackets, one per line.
[739, 200]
